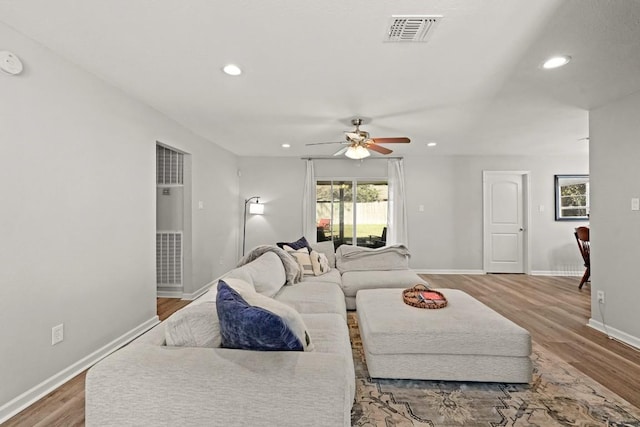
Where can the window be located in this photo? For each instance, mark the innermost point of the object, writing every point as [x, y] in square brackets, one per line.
[343, 221]
[572, 197]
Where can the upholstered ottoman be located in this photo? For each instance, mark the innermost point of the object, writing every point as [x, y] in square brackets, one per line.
[464, 341]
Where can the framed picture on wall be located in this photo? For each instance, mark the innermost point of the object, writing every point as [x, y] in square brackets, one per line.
[572, 197]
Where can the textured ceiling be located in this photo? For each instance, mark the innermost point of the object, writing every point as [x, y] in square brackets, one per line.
[475, 87]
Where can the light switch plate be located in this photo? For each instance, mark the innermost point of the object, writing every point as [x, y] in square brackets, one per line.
[635, 204]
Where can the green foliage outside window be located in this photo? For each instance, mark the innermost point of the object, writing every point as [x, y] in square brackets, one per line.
[366, 193]
[572, 197]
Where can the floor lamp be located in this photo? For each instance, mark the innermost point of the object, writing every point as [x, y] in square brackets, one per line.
[254, 209]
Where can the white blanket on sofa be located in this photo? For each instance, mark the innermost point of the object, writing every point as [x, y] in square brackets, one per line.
[291, 267]
[357, 258]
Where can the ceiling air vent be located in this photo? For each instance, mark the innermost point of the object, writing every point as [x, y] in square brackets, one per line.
[411, 28]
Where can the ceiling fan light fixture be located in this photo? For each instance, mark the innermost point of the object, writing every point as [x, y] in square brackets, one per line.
[556, 61]
[232, 70]
[357, 152]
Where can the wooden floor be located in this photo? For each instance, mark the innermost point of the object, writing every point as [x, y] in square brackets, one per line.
[555, 312]
[552, 309]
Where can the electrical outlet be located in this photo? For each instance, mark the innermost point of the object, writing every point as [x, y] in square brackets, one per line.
[600, 296]
[57, 334]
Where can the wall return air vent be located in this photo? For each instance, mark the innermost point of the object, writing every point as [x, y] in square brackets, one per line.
[411, 28]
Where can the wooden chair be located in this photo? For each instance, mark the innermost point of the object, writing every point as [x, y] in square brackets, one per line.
[582, 237]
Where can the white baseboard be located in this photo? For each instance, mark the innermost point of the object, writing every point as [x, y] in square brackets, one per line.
[163, 293]
[560, 273]
[199, 292]
[615, 333]
[169, 294]
[533, 272]
[29, 397]
[431, 271]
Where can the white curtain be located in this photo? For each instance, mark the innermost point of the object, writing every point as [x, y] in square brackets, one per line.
[309, 204]
[397, 215]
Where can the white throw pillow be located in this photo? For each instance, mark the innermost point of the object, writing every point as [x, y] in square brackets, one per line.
[315, 262]
[288, 314]
[303, 259]
[194, 326]
[324, 263]
[319, 262]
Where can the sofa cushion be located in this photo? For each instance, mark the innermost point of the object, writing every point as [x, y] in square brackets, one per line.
[332, 276]
[353, 281]
[314, 297]
[298, 244]
[328, 250]
[330, 333]
[259, 323]
[240, 286]
[194, 326]
[266, 274]
[358, 258]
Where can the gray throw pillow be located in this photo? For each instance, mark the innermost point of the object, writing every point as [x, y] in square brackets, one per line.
[194, 326]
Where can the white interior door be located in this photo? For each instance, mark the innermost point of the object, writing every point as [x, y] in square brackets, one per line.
[504, 222]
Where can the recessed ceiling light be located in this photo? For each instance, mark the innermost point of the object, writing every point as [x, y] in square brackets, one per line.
[432, 144]
[556, 61]
[286, 145]
[232, 70]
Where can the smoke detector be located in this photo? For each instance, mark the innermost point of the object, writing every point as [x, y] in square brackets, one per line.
[411, 28]
[10, 63]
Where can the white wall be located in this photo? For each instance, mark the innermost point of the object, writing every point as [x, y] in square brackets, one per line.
[448, 234]
[77, 216]
[614, 132]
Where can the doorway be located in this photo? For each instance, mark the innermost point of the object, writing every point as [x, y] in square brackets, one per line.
[506, 219]
[172, 221]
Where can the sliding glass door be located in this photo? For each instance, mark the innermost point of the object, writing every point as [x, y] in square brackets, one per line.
[352, 212]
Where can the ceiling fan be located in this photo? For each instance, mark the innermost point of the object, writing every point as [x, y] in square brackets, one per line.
[359, 143]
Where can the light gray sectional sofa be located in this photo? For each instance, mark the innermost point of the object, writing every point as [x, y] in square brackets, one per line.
[198, 383]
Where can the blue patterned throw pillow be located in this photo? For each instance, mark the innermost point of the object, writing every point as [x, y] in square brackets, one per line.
[247, 327]
[298, 244]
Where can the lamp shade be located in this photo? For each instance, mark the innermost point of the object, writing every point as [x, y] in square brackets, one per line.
[358, 152]
[256, 208]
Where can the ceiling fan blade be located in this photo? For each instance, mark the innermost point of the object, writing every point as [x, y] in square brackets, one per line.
[380, 149]
[341, 151]
[403, 140]
[323, 143]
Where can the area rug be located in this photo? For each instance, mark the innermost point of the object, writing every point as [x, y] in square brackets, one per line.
[559, 395]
